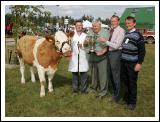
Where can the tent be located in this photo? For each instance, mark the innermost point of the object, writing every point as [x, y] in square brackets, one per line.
[104, 26]
[87, 24]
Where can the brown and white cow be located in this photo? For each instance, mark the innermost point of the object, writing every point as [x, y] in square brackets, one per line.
[44, 54]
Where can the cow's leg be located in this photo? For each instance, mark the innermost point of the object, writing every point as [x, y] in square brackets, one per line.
[32, 74]
[22, 68]
[50, 77]
[41, 74]
[51, 74]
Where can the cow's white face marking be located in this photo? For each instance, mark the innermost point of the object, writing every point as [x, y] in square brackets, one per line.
[60, 37]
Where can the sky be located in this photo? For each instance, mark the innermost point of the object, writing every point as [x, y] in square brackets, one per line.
[77, 11]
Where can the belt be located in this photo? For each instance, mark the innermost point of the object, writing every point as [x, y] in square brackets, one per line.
[115, 50]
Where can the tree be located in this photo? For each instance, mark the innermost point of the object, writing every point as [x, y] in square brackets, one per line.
[54, 20]
[23, 16]
[90, 18]
[71, 21]
[84, 17]
[108, 22]
[8, 17]
[99, 19]
[47, 17]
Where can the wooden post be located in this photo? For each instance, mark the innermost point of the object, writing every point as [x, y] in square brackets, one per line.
[9, 55]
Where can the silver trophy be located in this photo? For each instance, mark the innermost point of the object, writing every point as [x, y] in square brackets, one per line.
[92, 41]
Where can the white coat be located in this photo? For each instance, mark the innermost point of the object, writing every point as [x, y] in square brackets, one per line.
[83, 62]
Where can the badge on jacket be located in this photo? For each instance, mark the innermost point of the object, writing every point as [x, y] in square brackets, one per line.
[127, 40]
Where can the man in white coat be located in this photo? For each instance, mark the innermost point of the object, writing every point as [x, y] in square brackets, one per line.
[77, 48]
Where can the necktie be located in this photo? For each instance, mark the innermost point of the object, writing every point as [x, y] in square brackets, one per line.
[111, 33]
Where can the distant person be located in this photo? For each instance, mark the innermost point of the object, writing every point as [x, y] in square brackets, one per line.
[8, 28]
[46, 31]
[133, 53]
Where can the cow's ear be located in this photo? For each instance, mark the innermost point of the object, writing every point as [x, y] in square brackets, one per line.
[47, 36]
[50, 38]
[70, 34]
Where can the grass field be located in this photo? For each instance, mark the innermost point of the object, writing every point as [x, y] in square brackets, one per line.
[24, 100]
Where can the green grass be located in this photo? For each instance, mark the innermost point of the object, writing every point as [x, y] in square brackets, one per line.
[24, 100]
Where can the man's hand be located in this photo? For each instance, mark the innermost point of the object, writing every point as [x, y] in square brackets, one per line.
[102, 39]
[137, 67]
[104, 50]
[85, 44]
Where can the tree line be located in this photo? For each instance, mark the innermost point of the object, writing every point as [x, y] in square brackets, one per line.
[29, 17]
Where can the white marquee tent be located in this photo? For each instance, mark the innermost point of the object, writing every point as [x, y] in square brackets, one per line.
[88, 24]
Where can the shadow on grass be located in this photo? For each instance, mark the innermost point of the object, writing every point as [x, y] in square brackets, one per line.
[60, 81]
[57, 81]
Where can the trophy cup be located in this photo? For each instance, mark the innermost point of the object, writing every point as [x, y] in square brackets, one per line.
[92, 41]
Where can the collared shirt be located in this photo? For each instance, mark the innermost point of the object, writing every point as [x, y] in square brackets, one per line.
[117, 39]
[132, 30]
[103, 33]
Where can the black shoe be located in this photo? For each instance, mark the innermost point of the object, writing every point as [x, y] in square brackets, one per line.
[123, 102]
[84, 92]
[75, 91]
[92, 91]
[131, 106]
[115, 99]
[99, 97]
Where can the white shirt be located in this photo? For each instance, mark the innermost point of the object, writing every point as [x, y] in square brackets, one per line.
[83, 62]
[132, 30]
[117, 39]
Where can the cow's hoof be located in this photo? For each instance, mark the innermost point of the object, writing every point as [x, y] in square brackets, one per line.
[22, 82]
[33, 81]
[51, 90]
[42, 95]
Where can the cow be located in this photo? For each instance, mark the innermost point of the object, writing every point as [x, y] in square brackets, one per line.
[44, 54]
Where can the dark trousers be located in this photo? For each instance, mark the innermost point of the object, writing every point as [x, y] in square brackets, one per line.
[114, 71]
[82, 84]
[129, 78]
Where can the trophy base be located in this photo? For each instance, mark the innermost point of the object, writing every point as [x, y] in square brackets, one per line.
[92, 51]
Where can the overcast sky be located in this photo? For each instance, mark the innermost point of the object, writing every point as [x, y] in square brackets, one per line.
[77, 11]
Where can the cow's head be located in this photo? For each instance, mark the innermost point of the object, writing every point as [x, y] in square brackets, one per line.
[63, 41]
